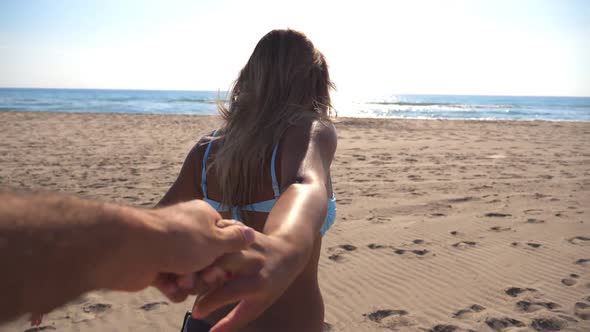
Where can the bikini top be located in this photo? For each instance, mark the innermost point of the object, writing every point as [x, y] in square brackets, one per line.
[264, 206]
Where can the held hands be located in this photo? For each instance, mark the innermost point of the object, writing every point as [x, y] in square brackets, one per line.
[256, 287]
[193, 242]
[163, 246]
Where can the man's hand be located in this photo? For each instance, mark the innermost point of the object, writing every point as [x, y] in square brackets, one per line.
[211, 240]
[83, 245]
[182, 239]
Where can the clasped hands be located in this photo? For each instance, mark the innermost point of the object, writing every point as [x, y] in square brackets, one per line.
[252, 273]
[164, 247]
[253, 278]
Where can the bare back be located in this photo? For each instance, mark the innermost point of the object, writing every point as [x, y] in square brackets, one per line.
[304, 156]
[303, 297]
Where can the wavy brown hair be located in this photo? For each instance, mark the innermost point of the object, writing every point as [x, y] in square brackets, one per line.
[285, 79]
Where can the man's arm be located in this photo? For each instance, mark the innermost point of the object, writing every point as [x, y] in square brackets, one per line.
[53, 248]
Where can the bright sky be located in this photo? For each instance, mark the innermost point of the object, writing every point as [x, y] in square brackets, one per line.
[511, 47]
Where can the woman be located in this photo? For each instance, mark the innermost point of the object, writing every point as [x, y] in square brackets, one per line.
[269, 167]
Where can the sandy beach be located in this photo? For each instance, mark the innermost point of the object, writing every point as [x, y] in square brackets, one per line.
[443, 225]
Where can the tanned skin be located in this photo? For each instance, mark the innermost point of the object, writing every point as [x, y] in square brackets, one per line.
[53, 248]
[284, 295]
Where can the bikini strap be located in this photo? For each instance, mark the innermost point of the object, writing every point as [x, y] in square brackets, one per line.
[275, 183]
[204, 168]
[235, 214]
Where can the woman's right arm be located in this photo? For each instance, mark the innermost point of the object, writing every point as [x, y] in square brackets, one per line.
[188, 184]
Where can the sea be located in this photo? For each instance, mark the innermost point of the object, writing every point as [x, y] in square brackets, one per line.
[375, 106]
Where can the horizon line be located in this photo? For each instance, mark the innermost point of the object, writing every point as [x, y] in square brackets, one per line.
[224, 91]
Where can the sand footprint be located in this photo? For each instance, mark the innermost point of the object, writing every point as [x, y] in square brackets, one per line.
[543, 324]
[579, 240]
[390, 319]
[152, 305]
[461, 199]
[529, 245]
[571, 280]
[500, 229]
[420, 252]
[516, 291]
[532, 306]
[497, 215]
[347, 247]
[404, 251]
[376, 219]
[407, 250]
[41, 328]
[337, 251]
[378, 315]
[469, 311]
[533, 211]
[464, 244]
[89, 311]
[96, 308]
[336, 258]
[582, 310]
[416, 252]
[376, 246]
[359, 157]
[499, 324]
[447, 328]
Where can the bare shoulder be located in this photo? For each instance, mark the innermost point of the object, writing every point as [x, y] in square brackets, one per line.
[311, 132]
[307, 149]
[194, 159]
[188, 183]
[198, 150]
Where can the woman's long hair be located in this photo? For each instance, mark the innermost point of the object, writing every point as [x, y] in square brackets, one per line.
[285, 79]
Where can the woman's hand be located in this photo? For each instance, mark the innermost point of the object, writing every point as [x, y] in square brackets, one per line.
[240, 264]
[256, 290]
[174, 241]
[36, 319]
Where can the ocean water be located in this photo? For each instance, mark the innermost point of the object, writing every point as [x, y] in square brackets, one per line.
[109, 101]
[389, 106]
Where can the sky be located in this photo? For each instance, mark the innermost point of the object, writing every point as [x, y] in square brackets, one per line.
[495, 47]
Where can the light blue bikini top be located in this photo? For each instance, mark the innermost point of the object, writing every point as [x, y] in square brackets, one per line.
[264, 206]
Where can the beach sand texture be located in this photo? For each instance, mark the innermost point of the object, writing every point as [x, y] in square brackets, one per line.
[442, 225]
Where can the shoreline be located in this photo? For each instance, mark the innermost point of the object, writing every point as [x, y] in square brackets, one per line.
[336, 119]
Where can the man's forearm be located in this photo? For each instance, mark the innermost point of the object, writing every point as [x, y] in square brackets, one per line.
[54, 248]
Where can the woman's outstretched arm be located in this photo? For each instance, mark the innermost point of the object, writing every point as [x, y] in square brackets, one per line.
[298, 216]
